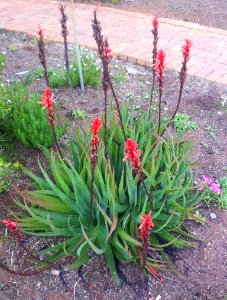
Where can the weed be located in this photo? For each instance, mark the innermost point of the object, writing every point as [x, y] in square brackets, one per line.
[183, 124]
[78, 114]
[120, 75]
[212, 131]
[2, 62]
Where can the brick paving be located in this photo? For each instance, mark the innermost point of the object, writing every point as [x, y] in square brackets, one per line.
[129, 34]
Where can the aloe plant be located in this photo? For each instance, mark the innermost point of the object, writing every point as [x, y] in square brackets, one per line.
[60, 205]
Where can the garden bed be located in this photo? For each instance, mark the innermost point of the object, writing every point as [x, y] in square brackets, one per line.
[201, 269]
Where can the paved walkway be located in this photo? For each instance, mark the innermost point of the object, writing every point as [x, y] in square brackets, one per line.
[129, 34]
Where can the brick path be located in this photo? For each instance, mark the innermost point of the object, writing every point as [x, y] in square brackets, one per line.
[129, 34]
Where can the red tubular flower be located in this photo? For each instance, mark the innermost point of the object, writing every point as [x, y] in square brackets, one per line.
[107, 52]
[13, 227]
[133, 154]
[186, 49]
[146, 225]
[96, 125]
[160, 63]
[48, 103]
[155, 24]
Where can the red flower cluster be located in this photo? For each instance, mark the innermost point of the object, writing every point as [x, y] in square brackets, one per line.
[186, 49]
[146, 225]
[96, 125]
[133, 155]
[155, 23]
[48, 103]
[160, 63]
[13, 227]
[107, 54]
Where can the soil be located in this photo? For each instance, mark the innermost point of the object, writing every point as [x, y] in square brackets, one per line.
[201, 270]
[205, 12]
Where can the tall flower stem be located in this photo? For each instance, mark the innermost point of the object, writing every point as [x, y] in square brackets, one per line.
[145, 230]
[47, 100]
[64, 33]
[155, 46]
[42, 55]
[159, 67]
[105, 56]
[186, 55]
[118, 107]
[96, 125]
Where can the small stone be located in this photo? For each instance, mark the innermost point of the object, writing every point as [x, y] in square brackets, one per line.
[38, 284]
[213, 216]
[55, 272]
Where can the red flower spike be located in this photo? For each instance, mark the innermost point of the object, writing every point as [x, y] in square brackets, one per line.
[186, 49]
[133, 154]
[48, 103]
[155, 23]
[160, 63]
[96, 125]
[13, 227]
[146, 225]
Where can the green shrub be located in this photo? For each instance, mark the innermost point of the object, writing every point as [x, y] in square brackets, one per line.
[24, 119]
[60, 206]
[90, 68]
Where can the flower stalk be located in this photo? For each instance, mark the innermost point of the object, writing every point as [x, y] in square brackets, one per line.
[42, 55]
[105, 55]
[96, 125]
[186, 48]
[159, 67]
[155, 50]
[64, 33]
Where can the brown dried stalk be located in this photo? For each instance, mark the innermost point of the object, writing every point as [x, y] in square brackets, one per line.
[42, 55]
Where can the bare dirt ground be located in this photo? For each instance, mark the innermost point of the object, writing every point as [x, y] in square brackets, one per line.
[211, 13]
[201, 270]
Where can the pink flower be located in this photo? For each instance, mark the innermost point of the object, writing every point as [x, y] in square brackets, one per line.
[13, 227]
[160, 63]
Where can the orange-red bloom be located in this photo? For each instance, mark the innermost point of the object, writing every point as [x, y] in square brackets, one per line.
[160, 63]
[13, 227]
[96, 125]
[48, 103]
[146, 225]
[133, 154]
